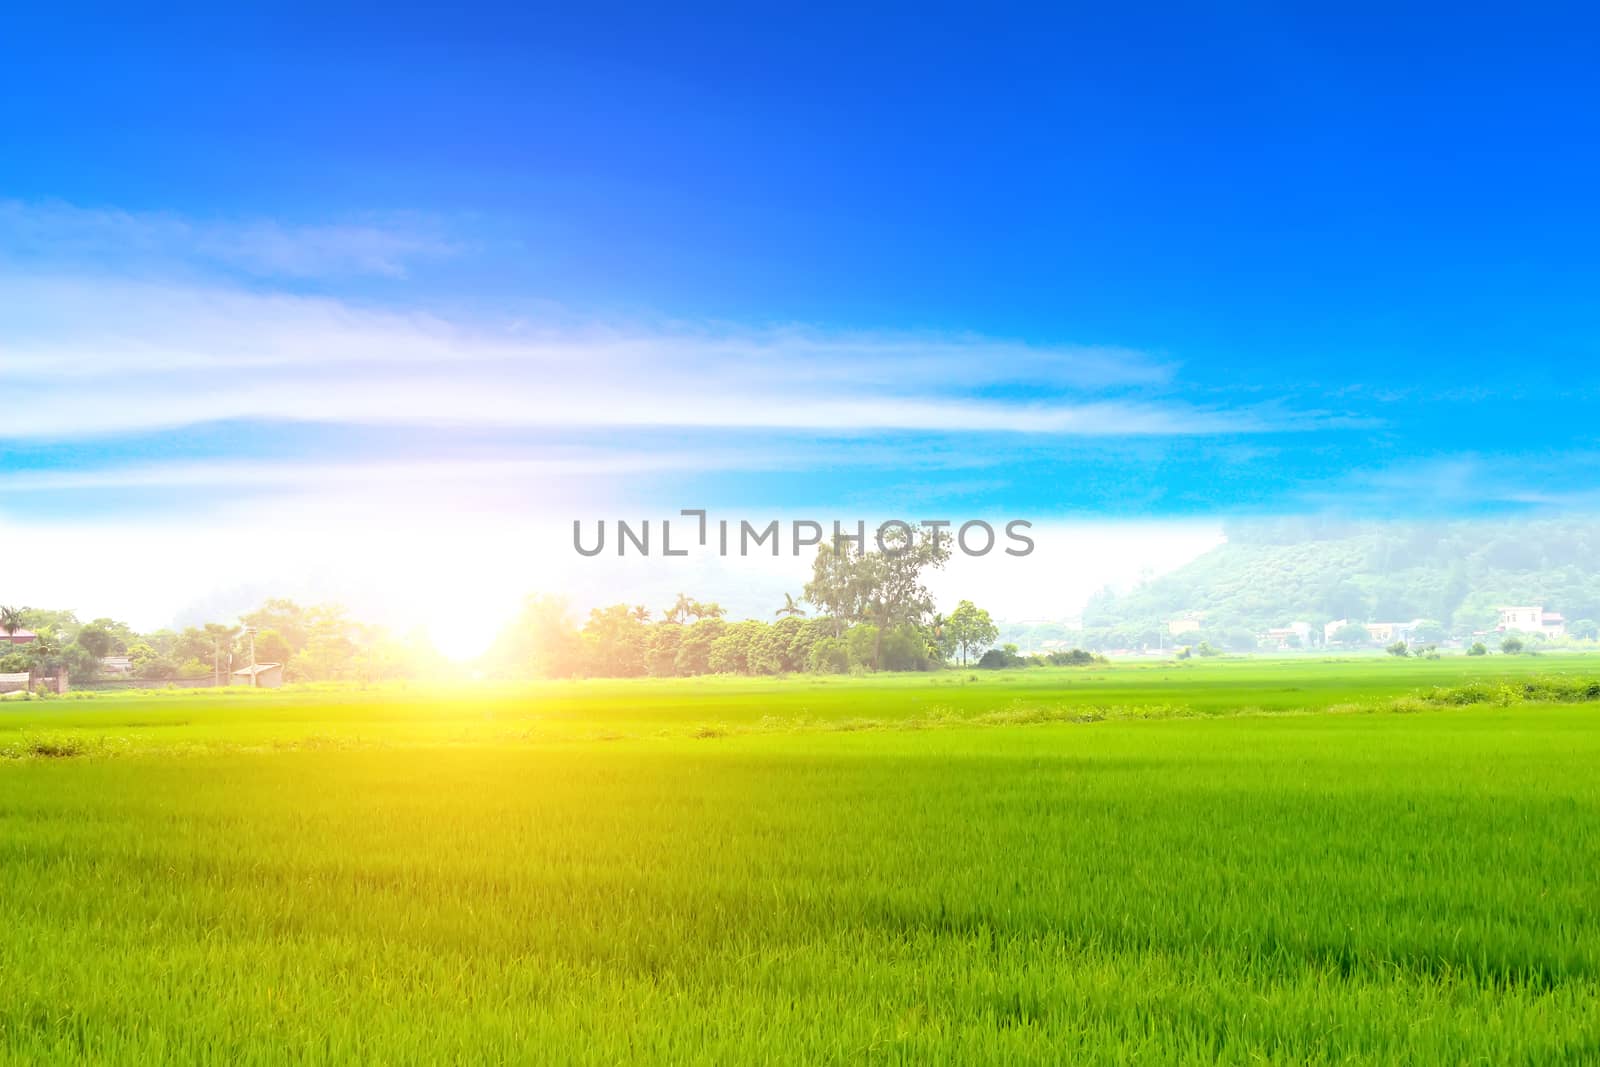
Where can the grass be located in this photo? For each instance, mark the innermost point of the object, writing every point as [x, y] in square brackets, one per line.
[1089, 866]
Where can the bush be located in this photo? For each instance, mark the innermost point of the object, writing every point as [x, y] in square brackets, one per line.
[1076, 657]
[694, 646]
[1399, 648]
[861, 640]
[1000, 658]
[1511, 646]
[829, 655]
[1477, 649]
[905, 650]
[661, 651]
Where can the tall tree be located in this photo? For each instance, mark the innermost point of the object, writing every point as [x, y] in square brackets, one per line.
[884, 587]
[970, 630]
[96, 640]
[11, 620]
[834, 588]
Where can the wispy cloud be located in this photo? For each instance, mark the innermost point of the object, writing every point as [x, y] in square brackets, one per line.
[1466, 482]
[97, 354]
[63, 233]
[121, 333]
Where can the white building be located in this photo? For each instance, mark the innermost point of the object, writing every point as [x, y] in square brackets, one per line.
[1183, 624]
[1531, 620]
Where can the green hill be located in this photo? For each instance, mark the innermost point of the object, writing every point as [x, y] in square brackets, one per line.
[1271, 573]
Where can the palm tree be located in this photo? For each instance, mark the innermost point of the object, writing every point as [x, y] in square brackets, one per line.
[789, 607]
[11, 621]
[641, 613]
[709, 609]
[936, 625]
[45, 651]
[679, 611]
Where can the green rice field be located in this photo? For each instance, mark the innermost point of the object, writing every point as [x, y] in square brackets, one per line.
[1261, 861]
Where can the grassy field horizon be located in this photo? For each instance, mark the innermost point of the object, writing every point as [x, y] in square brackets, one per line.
[1238, 862]
[616, 709]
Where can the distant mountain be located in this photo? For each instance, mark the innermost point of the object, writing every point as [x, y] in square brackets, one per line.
[1272, 573]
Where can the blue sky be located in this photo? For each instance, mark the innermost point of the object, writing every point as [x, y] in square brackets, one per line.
[1151, 266]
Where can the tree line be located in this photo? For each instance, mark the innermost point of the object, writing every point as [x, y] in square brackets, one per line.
[314, 643]
[864, 611]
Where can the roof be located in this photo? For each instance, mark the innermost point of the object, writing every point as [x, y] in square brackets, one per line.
[20, 634]
[259, 668]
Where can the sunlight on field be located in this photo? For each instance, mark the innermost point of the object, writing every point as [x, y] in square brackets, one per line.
[1099, 866]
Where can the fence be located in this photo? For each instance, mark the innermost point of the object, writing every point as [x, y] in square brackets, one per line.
[29, 682]
[149, 683]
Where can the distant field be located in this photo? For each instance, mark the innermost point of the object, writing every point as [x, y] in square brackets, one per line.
[1108, 865]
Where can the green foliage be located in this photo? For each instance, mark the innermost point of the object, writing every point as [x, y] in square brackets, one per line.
[614, 641]
[694, 650]
[1399, 648]
[1451, 574]
[540, 643]
[1351, 635]
[969, 631]
[661, 650]
[829, 655]
[862, 641]
[1512, 645]
[1429, 630]
[905, 649]
[12, 619]
[1001, 658]
[96, 640]
[744, 648]
[1075, 657]
[882, 588]
[272, 647]
[1478, 649]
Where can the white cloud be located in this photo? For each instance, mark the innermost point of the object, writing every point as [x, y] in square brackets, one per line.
[57, 232]
[1552, 481]
[97, 354]
[120, 321]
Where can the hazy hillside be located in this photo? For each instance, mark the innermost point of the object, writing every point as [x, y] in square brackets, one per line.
[1270, 573]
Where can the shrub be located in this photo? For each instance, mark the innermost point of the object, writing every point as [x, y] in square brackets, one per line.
[829, 655]
[1000, 658]
[1477, 649]
[904, 650]
[1076, 657]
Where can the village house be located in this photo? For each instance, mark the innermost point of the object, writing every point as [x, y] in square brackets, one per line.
[1183, 624]
[1381, 633]
[1385, 633]
[19, 637]
[261, 676]
[1295, 635]
[1531, 620]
